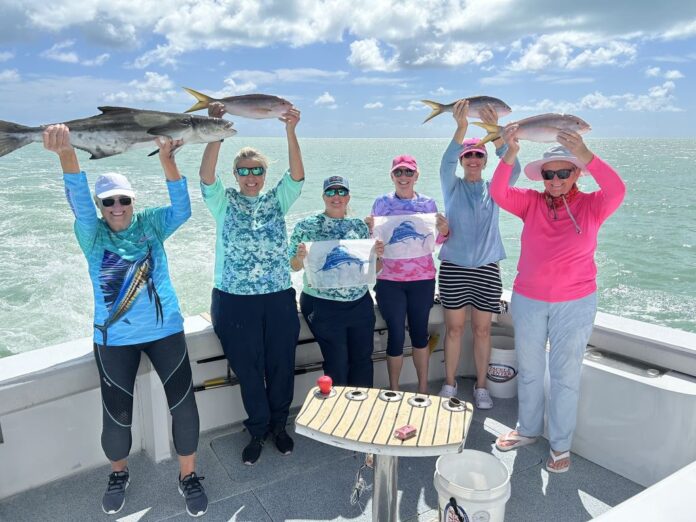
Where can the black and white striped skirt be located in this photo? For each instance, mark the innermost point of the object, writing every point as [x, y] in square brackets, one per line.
[479, 287]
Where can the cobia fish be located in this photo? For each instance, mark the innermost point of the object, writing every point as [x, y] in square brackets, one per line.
[542, 128]
[118, 129]
[255, 106]
[476, 103]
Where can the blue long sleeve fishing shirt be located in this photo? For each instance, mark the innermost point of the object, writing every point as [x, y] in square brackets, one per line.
[118, 262]
[474, 239]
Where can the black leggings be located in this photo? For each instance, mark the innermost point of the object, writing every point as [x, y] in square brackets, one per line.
[118, 366]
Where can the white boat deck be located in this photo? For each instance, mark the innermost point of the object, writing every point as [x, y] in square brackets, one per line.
[315, 483]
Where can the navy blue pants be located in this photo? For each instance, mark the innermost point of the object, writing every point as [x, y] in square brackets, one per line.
[259, 334]
[345, 333]
[118, 367]
[400, 299]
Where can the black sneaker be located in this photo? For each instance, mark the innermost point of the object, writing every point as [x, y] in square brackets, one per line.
[252, 452]
[115, 495]
[191, 489]
[283, 442]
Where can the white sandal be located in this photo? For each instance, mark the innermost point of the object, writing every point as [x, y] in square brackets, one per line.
[517, 440]
[553, 458]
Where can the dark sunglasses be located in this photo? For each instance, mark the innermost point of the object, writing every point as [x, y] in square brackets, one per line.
[473, 154]
[548, 175]
[404, 172]
[123, 200]
[329, 193]
[256, 171]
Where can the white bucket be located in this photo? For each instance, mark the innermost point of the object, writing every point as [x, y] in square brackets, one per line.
[502, 368]
[479, 483]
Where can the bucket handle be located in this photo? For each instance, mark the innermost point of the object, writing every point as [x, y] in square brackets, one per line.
[453, 503]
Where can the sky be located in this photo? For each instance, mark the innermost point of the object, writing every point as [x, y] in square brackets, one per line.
[356, 68]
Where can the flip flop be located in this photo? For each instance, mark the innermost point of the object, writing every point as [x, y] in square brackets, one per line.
[553, 458]
[517, 440]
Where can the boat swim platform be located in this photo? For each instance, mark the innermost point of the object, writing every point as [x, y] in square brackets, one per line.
[316, 481]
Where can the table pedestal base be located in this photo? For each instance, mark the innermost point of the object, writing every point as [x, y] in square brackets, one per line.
[384, 508]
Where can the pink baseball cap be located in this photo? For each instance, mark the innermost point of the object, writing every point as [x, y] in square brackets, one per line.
[471, 145]
[404, 160]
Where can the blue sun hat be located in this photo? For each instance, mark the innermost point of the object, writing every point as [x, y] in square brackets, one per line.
[336, 181]
[555, 153]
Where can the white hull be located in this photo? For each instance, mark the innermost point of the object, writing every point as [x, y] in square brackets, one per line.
[637, 423]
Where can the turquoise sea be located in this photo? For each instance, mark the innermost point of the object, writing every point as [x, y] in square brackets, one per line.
[646, 255]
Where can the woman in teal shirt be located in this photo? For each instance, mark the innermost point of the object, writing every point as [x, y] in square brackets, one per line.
[253, 306]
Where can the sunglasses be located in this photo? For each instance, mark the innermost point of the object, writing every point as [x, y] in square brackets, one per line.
[123, 200]
[473, 154]
[404, 172]
[255, 171]
[548, 175]
[329, 193]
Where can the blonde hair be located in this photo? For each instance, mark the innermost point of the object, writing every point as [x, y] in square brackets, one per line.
[249, 153]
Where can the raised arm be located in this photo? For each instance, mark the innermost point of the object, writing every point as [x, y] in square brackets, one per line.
[212, 150]
[612, 188]
[490, 116]
[511, 199]
[56, 138]
[448, 165]
[172, 217]
[291, 119]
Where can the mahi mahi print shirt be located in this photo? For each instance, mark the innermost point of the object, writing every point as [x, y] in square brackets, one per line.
[251, 238]
[417, 268]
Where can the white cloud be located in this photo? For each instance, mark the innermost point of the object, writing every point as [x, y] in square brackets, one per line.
[681, 30]
[375, 105]
[304, 74]
[651, 72]
[162, 55]
[61, 52]
[441, 91]
[597, 100]
[655, 72]
[9, 75]
[154, 88]
[326, 100]
[673, 75]
[366, 55]
[6, 55]
[451, 54]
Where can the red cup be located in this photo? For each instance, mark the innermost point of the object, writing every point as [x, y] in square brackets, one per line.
[324, 382]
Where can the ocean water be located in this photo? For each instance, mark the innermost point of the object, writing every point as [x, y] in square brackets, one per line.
[646, 255]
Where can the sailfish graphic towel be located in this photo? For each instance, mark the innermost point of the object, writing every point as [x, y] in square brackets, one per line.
[340, 263]
[407, 236]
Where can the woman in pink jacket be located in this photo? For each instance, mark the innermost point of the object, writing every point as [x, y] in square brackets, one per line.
[554, 295]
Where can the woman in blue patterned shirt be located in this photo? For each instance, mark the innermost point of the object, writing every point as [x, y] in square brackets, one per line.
[253, 306]
[342, 320]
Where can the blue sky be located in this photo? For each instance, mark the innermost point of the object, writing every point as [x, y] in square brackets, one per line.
[356, 68]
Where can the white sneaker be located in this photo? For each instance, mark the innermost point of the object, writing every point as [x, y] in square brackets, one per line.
[448, 391]
[482, 399]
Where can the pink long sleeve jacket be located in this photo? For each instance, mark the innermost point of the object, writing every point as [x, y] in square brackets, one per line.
[557, 262]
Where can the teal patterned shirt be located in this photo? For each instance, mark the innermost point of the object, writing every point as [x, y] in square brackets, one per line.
[323, 228]
[251, 237]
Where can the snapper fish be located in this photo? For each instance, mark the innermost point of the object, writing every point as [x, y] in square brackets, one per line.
[121, 282]
[406, 231]
[254, 106]
[543, 128]
[119, 129]
[339, 256]
[476, 103]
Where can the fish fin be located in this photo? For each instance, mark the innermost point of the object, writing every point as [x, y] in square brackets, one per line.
[436, 107]
[170, 129]
[9, 141]
[203, 100]
[156, 151]
[112, 274]
[106, 109]
[126, 321]
[99, 154]
[494, 132]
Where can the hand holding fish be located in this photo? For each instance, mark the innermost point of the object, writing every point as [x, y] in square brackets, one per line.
[461, 113]
[291, 118]
[167, 149]
[216, 109]
[442, 224]
[513, 143]
[489, 115]
[56, 138]
[573, 141]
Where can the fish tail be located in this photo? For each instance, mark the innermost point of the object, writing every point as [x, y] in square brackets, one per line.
[437, 108]
[13, 136]
[154, 296]
[493, 131]
[203, 100]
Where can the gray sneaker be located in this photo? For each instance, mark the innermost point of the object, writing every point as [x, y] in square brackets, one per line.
[191, 489]
[115, 495]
